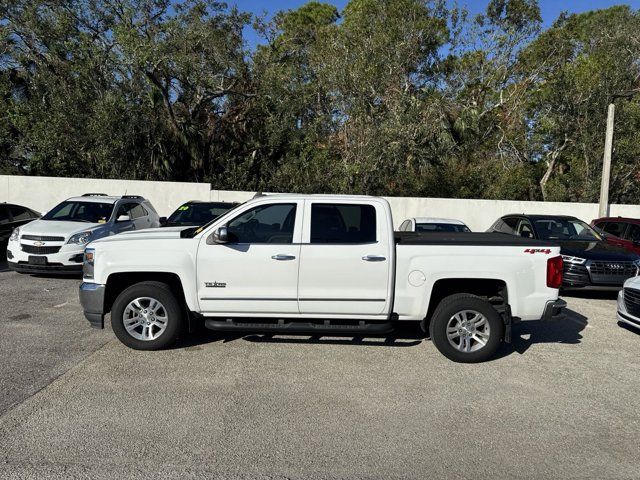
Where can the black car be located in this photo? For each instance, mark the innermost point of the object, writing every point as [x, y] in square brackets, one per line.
[589, 261]
[12, 216]
[195, 213]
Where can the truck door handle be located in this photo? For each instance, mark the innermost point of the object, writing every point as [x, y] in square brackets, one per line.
[282, 256]
[374, 258]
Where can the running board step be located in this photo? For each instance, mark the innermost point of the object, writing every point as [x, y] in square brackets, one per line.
[299, 327]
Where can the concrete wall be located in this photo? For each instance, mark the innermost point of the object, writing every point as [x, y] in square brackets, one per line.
[42, 193]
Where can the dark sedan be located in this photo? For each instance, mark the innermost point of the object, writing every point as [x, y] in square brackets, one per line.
[589, 261]
[12, 216]
[195, 213]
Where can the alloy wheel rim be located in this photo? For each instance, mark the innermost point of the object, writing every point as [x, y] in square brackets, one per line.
[145, 318]
[468, 331]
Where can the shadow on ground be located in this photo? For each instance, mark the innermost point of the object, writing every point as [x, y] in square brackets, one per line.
[566, 330]
[408, 334]
[3, 266]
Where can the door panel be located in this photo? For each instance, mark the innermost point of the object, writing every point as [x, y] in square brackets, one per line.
[258, 271]
[344, 265]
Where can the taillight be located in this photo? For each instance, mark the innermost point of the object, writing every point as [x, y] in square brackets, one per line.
[554, 272]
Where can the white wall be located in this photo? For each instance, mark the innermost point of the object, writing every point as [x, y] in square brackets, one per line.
[42, 193]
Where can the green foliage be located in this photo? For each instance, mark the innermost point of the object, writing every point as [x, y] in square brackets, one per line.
[395, 97]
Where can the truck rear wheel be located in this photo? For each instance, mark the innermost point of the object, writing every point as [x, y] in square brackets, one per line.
[147, 316]
[466, 328]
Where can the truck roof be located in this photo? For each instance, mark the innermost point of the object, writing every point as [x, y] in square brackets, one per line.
[327, 196]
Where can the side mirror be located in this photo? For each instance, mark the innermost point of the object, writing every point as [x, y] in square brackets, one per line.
[636, 243]
[163, 221]
[123, 218]
[221, 235]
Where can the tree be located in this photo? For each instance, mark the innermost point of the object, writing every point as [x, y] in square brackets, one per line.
[587, 59]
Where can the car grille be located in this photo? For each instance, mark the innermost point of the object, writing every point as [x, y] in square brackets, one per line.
[42, 238]
[40, 250]
[612, 272]
[632, 301]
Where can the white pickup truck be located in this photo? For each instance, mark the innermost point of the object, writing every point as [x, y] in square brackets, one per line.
[322, 264]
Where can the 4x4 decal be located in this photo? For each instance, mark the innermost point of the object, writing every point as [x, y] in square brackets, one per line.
[546, 251]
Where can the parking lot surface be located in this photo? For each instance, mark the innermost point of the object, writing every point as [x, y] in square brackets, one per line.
[561, 401]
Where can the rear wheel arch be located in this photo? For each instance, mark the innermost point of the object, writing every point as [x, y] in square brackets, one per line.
[493, 290]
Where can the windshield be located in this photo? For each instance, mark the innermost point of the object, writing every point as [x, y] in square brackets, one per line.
[198, 213]
[565, 229]
[89, 212]
[441, 227]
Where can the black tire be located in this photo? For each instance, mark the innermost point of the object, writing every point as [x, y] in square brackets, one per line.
[174, 312]
[450, 306]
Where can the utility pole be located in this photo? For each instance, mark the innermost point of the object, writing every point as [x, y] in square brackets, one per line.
[606, 165]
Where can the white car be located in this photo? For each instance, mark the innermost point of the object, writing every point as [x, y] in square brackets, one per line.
[319, 263]
[55, 243]
[431, 224]
[629, 303]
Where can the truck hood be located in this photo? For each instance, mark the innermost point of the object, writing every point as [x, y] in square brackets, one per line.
[596, 251]
[56, 228]
[146, 234]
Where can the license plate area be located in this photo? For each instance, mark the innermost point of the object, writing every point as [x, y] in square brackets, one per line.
[37, 260]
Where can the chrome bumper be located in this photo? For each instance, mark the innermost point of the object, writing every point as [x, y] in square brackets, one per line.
[92, 301]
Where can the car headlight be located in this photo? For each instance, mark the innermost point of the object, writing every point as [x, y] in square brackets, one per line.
[15, 234]
[574, 260]
[81, 238]
[88, 263]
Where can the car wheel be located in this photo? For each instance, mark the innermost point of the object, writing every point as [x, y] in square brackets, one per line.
[147, 316]
[466, 328]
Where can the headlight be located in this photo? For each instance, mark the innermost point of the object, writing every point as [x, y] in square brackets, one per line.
[88, 263]
[81, 238]
[15, 235]
[575, 260]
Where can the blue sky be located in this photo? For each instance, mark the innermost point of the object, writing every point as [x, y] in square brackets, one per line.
[550, 8]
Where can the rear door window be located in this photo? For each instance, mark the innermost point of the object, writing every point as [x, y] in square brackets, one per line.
[343, 223]
[633, 233]
[615, 228]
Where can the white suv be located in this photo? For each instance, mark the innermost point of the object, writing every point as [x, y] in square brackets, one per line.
[55, 243]
[629, 303]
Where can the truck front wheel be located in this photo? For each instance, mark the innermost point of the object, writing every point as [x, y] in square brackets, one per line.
[147, 316]
[466, 328]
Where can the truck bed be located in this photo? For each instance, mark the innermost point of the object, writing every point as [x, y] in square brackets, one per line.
[467, 238]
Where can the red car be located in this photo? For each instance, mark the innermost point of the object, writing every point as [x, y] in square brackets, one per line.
[623, 232]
